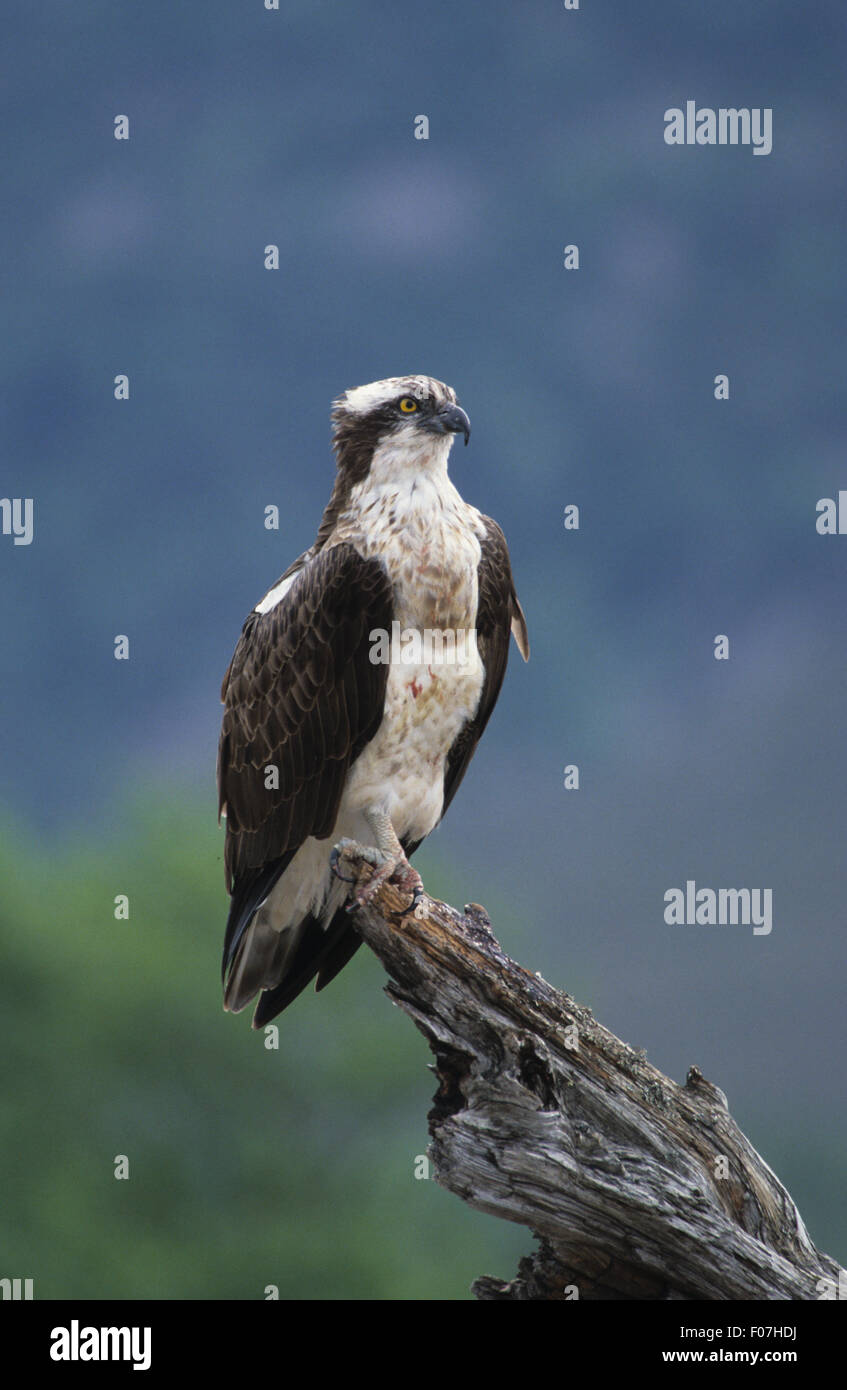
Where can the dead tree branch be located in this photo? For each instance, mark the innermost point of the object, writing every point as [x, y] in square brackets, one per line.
[636, 1187]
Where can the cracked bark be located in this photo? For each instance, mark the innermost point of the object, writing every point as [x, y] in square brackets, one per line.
[545, 1118]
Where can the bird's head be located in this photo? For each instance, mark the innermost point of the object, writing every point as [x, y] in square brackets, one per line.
[405, 421]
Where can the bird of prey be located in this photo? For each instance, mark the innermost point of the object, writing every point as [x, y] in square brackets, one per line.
[343, 730]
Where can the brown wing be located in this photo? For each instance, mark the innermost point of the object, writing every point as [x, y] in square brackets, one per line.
[498, 614]
[303, 698]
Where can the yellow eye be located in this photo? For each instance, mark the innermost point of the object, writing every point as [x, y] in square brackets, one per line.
[408, 405]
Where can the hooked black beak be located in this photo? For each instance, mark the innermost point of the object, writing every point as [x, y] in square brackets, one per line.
[451, 419]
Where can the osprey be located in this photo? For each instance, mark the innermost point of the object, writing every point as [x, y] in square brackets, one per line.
[351, 714]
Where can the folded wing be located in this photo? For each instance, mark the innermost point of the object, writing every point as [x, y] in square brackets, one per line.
[301, 700]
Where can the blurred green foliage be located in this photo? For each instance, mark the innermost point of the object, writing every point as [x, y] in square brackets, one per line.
[248, 1167]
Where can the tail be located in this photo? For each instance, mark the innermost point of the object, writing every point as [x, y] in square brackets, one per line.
[281, 964]
[278, 963]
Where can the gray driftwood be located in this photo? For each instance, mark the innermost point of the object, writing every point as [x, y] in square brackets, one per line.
[545, 1118]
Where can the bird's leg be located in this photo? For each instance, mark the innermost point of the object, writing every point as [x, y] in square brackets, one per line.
[388, 860]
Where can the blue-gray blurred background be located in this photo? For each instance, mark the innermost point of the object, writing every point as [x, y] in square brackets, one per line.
[248, 127]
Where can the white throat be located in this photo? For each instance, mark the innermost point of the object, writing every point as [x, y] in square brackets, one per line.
[402, 465]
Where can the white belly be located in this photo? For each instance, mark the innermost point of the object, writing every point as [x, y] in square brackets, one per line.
[401, 771]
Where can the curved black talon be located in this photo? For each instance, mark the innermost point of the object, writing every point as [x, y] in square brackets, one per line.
[416, 898]
[334, 857]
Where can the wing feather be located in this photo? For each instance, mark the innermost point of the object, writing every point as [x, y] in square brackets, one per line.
[302, 696]
[498, 614]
